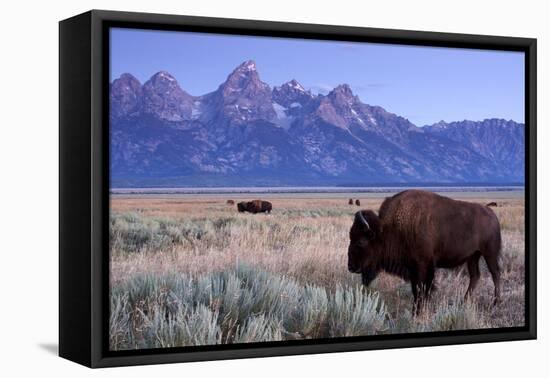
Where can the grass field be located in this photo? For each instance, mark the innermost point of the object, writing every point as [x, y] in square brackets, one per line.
[194, 271]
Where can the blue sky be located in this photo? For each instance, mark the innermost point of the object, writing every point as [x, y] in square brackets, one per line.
[423, 84]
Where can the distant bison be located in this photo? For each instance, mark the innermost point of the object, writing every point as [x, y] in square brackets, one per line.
[230, 202]
[416, 232]
[350, 202]
[357, 202]
[492, 204]
[256, 206]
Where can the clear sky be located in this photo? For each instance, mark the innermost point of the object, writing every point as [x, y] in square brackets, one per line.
[423, 84]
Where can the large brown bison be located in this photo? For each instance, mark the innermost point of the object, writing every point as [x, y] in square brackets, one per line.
[256, 206]
[416, 232]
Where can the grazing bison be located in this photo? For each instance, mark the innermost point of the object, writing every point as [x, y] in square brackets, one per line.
[357, 202]
[492, 204]
[350, 202]
[416, 232]
[256, 206]
[230, 202]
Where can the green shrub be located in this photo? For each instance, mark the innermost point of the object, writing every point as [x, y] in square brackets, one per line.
[355, 312]
[235, 306]
[132, 232]
[454, 316]
[258, 328]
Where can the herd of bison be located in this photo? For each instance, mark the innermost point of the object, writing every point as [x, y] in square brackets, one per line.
[414, 233]
[259, 206]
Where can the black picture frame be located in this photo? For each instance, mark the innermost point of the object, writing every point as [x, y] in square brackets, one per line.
[84, 186]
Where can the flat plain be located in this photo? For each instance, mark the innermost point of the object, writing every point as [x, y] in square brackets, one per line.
[190, 270]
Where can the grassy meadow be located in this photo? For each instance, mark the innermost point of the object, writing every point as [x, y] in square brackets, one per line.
[191, 270]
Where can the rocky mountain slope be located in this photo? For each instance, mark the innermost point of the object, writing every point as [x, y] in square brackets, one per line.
[246, 133]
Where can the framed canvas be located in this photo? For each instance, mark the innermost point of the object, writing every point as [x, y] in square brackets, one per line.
[236, 188]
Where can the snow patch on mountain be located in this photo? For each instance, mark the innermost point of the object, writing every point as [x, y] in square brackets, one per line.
[283, 120]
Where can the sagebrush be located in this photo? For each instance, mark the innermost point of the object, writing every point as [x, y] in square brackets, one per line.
[235, 306]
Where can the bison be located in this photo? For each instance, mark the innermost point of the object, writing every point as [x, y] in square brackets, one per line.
[492, 204]
[350, 202]
[416, 232]
[357, 202]
[256, 206]
[230, 202]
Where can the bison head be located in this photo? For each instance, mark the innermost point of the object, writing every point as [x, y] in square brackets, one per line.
[241, 206]
[363, 238]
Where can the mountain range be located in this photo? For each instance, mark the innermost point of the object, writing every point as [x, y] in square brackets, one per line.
[246, 133]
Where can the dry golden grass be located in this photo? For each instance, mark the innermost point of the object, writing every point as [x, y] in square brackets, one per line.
[306, 240]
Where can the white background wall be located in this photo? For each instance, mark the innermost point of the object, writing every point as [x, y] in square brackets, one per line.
[28, 200]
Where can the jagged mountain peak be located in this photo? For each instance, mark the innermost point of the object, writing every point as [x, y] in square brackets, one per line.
[294, 85]
[342, 91]
[246, 69]
[163, 98]
[245, 78]
[291, 94]
[246, 66]
[163, 81]
[252, 134]
[343, 98]
[241, 99]
[127, 78]
[125, 83]
[163, 76]
[125, 93]
[338, 107]
[485, 123]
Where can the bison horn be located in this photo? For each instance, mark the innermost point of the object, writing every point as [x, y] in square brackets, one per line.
[363, 220]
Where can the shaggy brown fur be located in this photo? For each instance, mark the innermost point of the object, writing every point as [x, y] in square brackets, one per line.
[418, 231]
[256, 206]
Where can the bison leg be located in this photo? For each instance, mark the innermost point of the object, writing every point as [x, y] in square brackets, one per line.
[492, 264]
[429, 282]
[473, 270]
